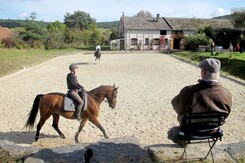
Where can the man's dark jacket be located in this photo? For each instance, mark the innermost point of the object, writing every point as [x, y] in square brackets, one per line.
[203, 97]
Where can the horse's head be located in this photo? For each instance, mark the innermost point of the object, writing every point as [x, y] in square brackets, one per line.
[111, 97]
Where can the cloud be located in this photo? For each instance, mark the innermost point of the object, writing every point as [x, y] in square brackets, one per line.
[23, 15]
[218, 12]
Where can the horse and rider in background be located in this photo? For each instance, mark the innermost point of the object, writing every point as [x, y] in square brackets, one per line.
[97, 54]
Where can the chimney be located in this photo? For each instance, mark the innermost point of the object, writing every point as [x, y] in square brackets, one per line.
[158, 15]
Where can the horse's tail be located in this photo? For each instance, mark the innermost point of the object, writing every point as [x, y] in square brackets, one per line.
[33, 113]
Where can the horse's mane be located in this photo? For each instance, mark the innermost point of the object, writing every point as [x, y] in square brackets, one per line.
[94, 92]
[100, 87]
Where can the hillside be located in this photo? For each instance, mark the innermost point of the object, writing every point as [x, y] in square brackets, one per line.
[11, 23]
[108, 25]
[223, 17]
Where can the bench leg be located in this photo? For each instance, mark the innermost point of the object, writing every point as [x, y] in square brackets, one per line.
[203, 158]
[210, 148]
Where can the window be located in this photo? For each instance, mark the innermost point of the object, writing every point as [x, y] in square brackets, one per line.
[156, 41]
[147, 41]
[163, 32]
[134, 41]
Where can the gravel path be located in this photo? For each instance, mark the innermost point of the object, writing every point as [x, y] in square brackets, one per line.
[147, 82]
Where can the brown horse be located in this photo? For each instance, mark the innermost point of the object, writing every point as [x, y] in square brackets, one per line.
[52, 104]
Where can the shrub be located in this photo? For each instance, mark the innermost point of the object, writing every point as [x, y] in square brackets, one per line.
[54, 41]
[193, 41]
[2, 45]
[8, 42]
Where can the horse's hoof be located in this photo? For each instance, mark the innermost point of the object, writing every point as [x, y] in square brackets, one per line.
[36, 138]
[62, 136]
[76, 142]
[107, 137]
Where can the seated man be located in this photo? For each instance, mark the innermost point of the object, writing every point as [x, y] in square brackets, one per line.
[207, 96]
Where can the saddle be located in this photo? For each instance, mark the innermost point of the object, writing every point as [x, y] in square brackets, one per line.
[69, 104]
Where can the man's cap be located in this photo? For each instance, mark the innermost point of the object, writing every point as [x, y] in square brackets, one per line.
[72, 66]
[210, 64]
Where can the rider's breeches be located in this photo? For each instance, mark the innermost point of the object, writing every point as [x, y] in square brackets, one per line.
[76, 97]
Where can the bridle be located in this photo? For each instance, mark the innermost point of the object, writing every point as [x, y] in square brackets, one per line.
[111, 100]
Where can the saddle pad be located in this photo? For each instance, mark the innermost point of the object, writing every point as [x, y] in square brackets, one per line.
[69, 104]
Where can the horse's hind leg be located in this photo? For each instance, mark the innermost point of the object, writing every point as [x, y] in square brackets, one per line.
[56, 118]
[40, 124]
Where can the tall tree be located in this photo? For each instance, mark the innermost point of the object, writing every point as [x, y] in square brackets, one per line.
[55, 35]
[238, 18]
[79, 19]
[143, 13]
[34, 31]
[208, 30]
[56, 26]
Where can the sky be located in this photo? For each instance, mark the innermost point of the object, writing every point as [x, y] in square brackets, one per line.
[112, 10]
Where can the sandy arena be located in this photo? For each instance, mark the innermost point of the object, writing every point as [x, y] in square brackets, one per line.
[147, 82]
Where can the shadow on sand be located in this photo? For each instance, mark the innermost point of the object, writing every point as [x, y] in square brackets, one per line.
[26, 137]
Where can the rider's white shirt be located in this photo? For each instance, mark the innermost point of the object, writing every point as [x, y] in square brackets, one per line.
[98, 47]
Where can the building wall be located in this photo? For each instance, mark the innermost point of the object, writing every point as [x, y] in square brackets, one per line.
[141, 36]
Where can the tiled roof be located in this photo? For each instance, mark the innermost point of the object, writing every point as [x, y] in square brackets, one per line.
[147, 23]
[194, 23]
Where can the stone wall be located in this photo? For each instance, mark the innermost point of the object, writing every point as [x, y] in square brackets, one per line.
[124, 149]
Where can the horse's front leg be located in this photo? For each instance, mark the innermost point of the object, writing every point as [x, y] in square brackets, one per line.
[97, 123]
[80, 129]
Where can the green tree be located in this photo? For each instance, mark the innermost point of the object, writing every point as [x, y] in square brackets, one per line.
[96, 36]
[193, 41]
[78, 41]
[143, 13]
[106, 37]
[69, 35]
[79, 19]
[56, 26]
[35, 32]
[86, 34]
[209, 32]
[55, 35]
[114, 34]
[238, 18]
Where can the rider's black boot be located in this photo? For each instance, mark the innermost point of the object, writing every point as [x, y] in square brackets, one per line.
[79, 114]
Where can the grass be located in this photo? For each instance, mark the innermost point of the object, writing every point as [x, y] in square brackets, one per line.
[12, 60]
[232, 63]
